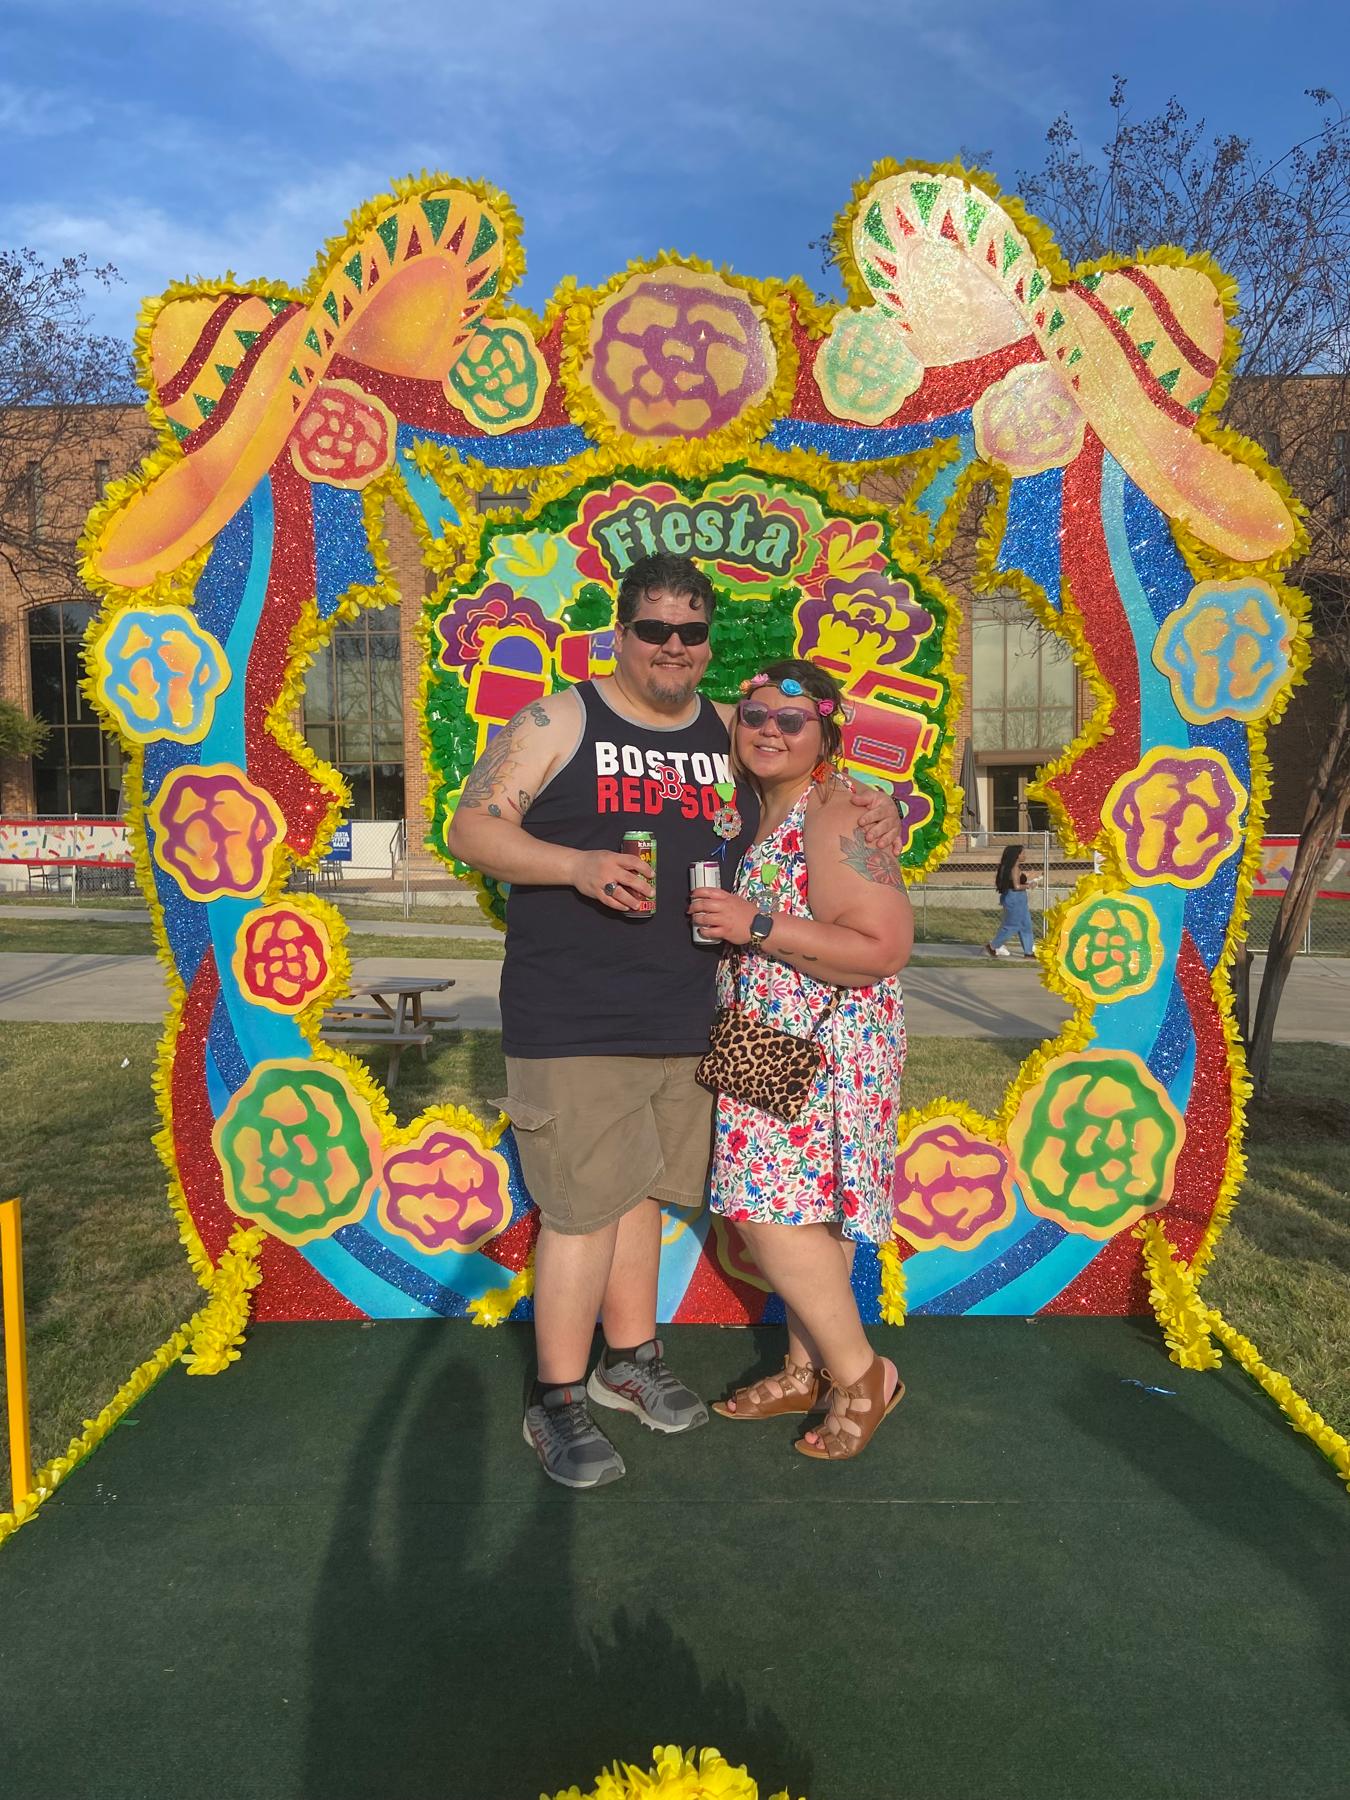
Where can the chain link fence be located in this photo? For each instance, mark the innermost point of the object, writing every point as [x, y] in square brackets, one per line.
[959, 905]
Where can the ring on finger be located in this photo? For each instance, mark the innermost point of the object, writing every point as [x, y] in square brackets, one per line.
[610, 886]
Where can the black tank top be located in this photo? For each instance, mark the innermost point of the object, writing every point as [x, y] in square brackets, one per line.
[580, 979]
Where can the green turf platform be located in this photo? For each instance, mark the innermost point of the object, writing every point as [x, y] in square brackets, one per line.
[336, 1573]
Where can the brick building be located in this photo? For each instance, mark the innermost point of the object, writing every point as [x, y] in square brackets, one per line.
[1023, 701]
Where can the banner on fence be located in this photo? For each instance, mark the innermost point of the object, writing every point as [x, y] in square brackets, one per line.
[1277, 865]
[39, 841]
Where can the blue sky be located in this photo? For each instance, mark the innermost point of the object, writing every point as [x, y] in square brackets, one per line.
[182, 138]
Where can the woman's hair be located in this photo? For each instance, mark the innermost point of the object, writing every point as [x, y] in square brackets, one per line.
[1004, 879]
[818, 686]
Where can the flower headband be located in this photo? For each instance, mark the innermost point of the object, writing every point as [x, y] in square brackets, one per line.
[793, 689]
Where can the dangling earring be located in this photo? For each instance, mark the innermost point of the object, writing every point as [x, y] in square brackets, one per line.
[822, 772]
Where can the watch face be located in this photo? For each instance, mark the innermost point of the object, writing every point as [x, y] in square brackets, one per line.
[760, 926]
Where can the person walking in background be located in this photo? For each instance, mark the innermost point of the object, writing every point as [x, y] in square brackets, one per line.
[1013, 881]
[818, 928]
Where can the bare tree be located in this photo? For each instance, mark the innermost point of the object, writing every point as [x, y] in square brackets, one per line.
[1282, 228]
[53, 370]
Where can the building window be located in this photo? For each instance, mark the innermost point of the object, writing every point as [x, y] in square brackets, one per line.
[353, 711]
[100, 477]
[1340, 477]
[33, 497]
[80, 771]
[1023, 683]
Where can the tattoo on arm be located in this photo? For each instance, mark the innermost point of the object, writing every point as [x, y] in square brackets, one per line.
[872, 864]
[491, 777]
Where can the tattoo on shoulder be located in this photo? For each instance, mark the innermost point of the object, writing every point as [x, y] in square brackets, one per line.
[871, 863]
[493, 782]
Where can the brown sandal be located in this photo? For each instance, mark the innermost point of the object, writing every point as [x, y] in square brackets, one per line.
[854, 1415]
[758, 1400]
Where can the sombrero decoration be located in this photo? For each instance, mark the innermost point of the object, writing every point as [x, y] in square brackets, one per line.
[1139, 347]
[233, 372]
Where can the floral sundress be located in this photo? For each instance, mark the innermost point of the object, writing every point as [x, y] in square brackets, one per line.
[836, 1161]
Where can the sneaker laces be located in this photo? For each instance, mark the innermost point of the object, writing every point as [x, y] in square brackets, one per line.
[660, 1375]
[567, 1425]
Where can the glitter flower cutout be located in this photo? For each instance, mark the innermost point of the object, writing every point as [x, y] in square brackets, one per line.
[1028, 421]
[1177, 816]
[344, 437]
[445, 1191]
[864, 370]
[461, 627]
[952, 1188]
[500, 377]
[1111, 947]
[159, 674]
[215, 832]
[1227, 651]
[678, 353]
[873, 621]
[283, 957]
[299, 1150]
[1096, 1142]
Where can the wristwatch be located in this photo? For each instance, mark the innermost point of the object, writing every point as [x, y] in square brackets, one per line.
[760, 927]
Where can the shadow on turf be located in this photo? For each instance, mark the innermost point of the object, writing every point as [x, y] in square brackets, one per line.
[475, 1679]
[1237, 1500]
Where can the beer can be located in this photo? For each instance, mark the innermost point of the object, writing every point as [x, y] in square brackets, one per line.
[704, 875]
[643, 844]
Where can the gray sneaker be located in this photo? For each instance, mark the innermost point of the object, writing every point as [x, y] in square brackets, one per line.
[644, 1386]
[570, 1445]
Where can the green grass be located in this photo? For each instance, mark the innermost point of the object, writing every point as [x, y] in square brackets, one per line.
[107, 1280]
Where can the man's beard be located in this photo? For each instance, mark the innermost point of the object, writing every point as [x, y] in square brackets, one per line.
[671, 688]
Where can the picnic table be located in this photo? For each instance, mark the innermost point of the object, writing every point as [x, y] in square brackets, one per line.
[388, 1010]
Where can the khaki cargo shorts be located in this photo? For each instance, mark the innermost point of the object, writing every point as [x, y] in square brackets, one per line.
[596, 1134]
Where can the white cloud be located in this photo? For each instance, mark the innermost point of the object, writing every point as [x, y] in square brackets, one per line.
[40, 112]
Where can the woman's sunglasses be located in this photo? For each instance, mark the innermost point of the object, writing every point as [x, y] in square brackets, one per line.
[788, 719]
[657, 631]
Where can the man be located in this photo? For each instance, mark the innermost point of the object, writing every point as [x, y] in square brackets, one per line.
[606, 1005]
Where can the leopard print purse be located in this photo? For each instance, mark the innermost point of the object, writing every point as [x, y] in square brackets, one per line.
[754, 1062]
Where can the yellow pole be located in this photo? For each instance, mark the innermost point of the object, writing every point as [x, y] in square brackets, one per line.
[16, 1351]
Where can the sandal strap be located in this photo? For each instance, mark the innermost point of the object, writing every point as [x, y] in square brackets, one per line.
[791, 1378]
[847, 1425]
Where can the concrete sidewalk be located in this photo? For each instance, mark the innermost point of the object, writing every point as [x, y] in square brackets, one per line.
[979, 1001]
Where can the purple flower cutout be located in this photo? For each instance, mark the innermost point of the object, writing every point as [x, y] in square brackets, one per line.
[871, 621]
[463, 623]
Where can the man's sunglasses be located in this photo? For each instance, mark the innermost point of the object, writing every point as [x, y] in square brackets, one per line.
[788, 719]
[657, 631]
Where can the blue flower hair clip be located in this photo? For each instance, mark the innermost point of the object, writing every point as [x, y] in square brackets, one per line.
[791, 688]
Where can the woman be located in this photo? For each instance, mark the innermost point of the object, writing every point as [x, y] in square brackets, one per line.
[817, 917]
[1012, 880]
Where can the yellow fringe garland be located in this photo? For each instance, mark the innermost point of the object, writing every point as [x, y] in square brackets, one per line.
[675, 1775]
[1189, 1326]
[498, 1304]
[893, 1301]
[217, 1331]
[207, 1343]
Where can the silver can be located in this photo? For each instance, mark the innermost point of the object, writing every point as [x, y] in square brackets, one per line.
[704, 875]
